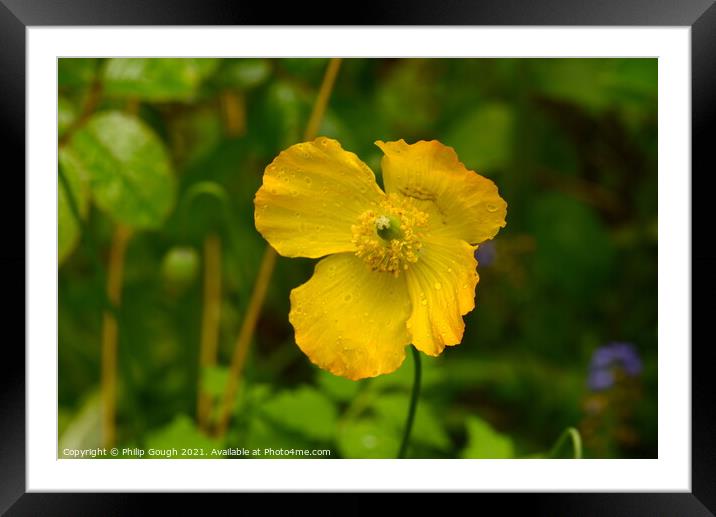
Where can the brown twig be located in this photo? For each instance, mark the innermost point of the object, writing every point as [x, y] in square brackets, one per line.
[209, 324]
[110, 333]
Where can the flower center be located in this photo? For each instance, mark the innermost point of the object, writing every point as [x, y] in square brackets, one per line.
[389, 238]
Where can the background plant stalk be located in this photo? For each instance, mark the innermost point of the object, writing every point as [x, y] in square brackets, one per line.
[266, 268]
[110, 333]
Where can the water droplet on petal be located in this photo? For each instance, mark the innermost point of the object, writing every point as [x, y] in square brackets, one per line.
[491, 208]
[437, 285]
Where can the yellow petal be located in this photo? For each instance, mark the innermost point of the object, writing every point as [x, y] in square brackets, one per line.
[442, 289]
[350, 320]
[462, 203]
[311, 195]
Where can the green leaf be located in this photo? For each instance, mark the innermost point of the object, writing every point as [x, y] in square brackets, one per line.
[179, 433]
[304, 410]
[130, 173]
[262, 436]
[83, 431]
[338, 388]
[483, 137]
[156, 79]
[214, 379]
[367, 438]
[69, 229]
[427, 428]
[245, 73]
[486, 443]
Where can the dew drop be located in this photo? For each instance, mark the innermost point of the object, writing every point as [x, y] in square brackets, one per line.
[491, 208]
[437, 285]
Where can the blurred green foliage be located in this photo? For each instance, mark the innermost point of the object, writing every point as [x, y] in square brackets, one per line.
[175, 149]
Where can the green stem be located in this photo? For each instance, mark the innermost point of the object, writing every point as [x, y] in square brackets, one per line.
[413, 404]
[572, 433]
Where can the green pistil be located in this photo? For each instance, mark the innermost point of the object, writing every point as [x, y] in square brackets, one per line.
[388, 227]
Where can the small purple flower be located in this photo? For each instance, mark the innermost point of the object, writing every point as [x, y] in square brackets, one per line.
[602, 357]
[627, 355]
[600, 379]
[486, 254]
[608, 357]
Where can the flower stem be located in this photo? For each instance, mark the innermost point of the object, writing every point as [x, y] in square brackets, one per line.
[209, 323]
[569, 433]
[268, 262]
[241, 349]
[110, 332]
[413, 404]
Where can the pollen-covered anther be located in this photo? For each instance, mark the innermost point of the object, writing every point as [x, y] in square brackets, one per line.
[389, 239]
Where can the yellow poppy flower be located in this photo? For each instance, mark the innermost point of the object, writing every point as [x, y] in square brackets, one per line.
[399, 265]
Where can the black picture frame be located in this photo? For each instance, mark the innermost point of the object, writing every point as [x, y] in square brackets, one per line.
[17, 15]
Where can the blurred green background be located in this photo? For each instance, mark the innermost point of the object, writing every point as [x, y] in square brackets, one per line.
[175, 148]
